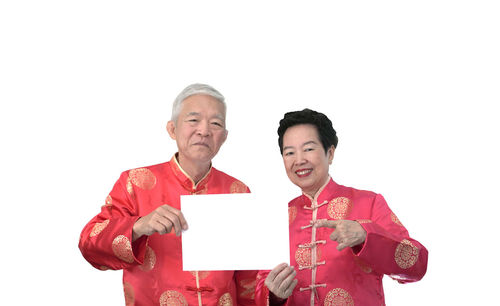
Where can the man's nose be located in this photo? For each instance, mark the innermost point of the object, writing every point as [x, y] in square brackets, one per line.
[203, 129]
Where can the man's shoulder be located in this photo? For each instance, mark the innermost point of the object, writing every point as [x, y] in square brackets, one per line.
[145, 172]
[236, 186]
[153, 168]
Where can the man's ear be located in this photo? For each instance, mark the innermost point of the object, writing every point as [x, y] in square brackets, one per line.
[225, 136]
[171, 129]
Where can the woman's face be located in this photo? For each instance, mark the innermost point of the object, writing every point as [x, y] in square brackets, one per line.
[306, 162]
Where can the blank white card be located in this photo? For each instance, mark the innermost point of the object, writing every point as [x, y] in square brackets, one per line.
[234, 232]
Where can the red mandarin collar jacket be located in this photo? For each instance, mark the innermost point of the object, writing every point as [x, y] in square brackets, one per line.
[352, 276]
[152, 266]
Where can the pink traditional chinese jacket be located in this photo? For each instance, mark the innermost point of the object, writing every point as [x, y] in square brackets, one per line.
[352, 276]
[152, 266]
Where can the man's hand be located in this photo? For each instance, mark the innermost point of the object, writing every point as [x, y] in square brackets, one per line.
[161, 221]
[347, 233]
[281, 281]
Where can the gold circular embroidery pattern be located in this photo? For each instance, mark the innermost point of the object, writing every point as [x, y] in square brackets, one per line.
[98, 228]
[339, 208]
[128, 290]
[225, 300]
[142, 178]
[303, 256]
[395, 219]
[109, 200]
[123, 249]
[149, 260]
[406, 254]
[292, 214]
[172, 298]
[338, 297]
[130, 188]
[238, 187]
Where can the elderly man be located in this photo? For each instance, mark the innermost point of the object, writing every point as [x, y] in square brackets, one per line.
[139, 227]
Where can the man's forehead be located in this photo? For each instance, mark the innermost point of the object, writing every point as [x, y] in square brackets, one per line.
[215, 114]
[199, 105]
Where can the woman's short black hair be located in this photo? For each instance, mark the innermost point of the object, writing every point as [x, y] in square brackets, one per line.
[326, 133]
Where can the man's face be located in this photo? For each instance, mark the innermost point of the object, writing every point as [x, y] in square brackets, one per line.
[200, 129]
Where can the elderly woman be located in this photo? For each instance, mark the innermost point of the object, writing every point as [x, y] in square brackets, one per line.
[342, 240]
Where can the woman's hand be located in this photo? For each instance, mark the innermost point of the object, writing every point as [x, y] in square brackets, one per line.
[281, 281]
[347, 233]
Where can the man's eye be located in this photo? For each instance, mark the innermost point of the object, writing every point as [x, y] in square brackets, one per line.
[192, 120]
[288, 153]
[308, 149]
[217, 124]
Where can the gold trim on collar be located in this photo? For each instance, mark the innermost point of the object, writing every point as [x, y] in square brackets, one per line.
[187, 175]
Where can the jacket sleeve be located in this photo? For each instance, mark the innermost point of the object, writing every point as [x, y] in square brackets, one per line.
[261, 291]
[245, 287]
[106, 241]
[388, 248]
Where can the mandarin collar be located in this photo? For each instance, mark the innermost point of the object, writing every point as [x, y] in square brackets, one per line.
[186, 181]
[324, 193]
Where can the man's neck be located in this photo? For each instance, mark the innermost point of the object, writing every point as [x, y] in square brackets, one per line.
[196, 171]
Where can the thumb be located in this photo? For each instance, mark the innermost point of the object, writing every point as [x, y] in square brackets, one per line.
[327, 223]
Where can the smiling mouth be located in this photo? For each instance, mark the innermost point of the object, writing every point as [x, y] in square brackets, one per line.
[303, 172]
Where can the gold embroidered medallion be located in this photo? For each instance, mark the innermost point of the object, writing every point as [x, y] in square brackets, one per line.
[339, 208]
[406, 254]
[123, 248]
[338, 297]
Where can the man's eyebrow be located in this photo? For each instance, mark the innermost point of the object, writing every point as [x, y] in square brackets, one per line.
[220, 117]
[192, 114]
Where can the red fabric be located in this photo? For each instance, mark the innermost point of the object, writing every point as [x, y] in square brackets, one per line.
[352, 276]
[152, 266]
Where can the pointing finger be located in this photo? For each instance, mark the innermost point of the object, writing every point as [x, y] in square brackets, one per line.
[327, 223]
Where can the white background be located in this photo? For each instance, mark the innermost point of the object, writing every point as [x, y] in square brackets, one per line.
[411, 87]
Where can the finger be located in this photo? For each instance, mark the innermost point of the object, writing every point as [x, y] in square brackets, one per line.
[176, 214]
[335, 235]
[289, 291]
[285, 284]
[342, 246]
[280, 278]
[162, 226]
[327, 223]
[277, 270]
[176, 223]
[183, 221]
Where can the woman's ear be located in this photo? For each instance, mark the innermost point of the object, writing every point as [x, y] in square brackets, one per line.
[331, 153]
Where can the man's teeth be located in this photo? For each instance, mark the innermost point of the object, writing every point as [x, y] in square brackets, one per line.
[303, 172]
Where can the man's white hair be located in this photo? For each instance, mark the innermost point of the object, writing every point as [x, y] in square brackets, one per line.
[195, 89]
